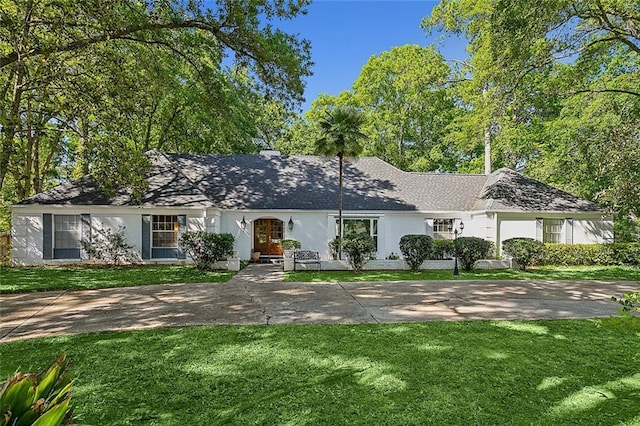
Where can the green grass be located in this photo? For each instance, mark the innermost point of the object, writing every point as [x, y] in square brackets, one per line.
[606, 273]
[23, 280]
[539, 372]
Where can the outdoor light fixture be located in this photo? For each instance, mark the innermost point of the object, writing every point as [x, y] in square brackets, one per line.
[243, 224]
[290, 223]
[455, 245]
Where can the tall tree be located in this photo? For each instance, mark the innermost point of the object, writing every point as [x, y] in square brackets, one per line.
[404, 93]
[82, 82]
[563, 80]
[341, 137]
[35, 36]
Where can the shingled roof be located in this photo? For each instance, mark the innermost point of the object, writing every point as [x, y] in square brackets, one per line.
[259, 182]
[507, 190]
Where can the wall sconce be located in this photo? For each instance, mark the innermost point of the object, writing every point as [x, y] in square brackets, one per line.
[290, 223]
[243, 223]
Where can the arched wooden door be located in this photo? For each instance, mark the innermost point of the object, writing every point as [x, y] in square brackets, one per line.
[267, 234]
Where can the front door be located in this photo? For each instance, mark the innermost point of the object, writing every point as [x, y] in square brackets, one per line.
[267, 234]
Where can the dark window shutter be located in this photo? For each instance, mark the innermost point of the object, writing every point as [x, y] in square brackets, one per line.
[86, 232]
[539, 228]
[47, 236]
[182, 227]
[146, 236]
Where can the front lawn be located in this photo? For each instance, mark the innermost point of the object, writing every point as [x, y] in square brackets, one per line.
[23, 280]
[539, 372]
[605, 273]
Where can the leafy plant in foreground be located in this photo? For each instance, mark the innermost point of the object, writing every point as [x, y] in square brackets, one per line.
[630, 302]
[416, 249]
[38, 399]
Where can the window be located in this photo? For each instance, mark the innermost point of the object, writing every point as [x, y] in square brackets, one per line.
[360, 226]
[165, 231]
[67, 231]
[442, 229]
[552, 230]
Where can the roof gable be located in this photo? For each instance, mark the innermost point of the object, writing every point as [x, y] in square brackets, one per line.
[508, 190]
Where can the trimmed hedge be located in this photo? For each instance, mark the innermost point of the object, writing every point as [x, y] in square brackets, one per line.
[526, 251]
[359, 248]
[470, 249]
[591, 254]
[415, 248]
[442, 249]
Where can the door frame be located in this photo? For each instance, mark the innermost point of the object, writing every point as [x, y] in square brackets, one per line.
[273, 249]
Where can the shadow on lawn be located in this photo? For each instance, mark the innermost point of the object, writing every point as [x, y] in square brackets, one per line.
[438, 373]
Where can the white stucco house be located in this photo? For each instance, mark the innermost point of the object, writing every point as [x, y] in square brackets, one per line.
[261, 199]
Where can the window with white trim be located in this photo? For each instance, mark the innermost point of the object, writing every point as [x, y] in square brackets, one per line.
[443, 229]
[67, 231]
[164, 231]
[552, 230]
[360, 226]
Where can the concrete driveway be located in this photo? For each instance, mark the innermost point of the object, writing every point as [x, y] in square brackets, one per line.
[257, 295]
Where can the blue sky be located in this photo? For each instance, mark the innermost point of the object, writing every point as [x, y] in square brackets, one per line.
[344, 34]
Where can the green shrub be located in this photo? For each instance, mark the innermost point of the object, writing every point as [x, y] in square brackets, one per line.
[290, 244]
[626, 253]
[470, 249]
[27, 398]
[111, 248]
[206, 248]
[416, 249]
[358, 248]
[591, 254]
[334, 248]
[442, 249]
[524, 250]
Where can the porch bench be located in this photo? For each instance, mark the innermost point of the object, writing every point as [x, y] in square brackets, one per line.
[306, 257]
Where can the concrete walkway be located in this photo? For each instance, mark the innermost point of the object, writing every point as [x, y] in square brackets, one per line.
[257, 295]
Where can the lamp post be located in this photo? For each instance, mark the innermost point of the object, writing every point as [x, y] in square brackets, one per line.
[456, 272]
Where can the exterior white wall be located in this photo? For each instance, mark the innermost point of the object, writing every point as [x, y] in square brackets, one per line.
[592, 230]
[512, 226]
[394, 225]
[313, 229]
[310, 228]
[27, 228]
[26, 238]
[587, 228]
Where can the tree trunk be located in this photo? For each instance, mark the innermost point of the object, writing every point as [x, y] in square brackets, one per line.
[10, 125]
[487, 149]
[487, 135]
[340, 158]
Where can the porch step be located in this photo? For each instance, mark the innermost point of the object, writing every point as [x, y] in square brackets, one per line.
[275, 259]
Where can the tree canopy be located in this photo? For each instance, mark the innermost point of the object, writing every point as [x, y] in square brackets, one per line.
[90, 86]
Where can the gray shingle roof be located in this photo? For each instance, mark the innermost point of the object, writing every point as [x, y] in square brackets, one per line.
[311, 183]
[167, 187]
[507, 190]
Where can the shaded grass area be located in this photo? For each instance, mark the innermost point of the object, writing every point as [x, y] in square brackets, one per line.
[605, 273]
[23, 280]
[538, 372]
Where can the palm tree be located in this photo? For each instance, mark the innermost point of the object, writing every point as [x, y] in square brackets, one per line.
[341, 138]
